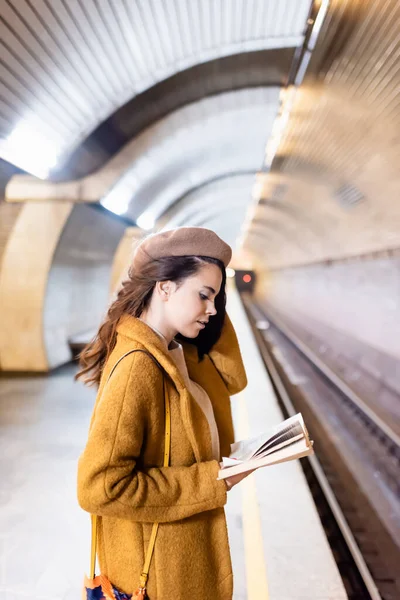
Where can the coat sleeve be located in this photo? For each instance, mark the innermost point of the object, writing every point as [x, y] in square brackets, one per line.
[227, 359]
[109, 482]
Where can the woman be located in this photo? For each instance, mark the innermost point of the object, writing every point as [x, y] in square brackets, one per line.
[173, 307]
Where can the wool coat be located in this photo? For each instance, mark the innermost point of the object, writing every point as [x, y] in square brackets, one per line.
[120, 477]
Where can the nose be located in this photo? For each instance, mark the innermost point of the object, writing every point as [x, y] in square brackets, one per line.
[211, 310]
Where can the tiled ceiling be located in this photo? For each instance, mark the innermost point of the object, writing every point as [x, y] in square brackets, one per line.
[220, 204]
[248, 70]
[343, 134]
[214, 138]
[69, 64]
[210, 138]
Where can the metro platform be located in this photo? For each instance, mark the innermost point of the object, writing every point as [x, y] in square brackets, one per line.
[279, 548]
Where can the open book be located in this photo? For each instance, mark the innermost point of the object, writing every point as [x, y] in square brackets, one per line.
[286, 441]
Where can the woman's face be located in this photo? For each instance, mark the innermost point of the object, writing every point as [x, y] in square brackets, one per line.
[191, 304]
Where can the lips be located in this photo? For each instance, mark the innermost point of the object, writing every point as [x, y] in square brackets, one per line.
[202, 323]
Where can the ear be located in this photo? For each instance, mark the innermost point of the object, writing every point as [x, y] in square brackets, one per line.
[164, 289]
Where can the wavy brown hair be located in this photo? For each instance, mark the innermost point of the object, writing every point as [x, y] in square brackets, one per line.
[134, 297]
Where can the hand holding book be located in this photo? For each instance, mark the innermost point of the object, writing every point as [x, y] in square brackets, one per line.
[287, 441]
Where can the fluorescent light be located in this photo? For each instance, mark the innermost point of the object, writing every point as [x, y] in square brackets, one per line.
[288, 95]
[287, 100]
[27, 148]
[323, 9]
[116, 201]
[257, 189]
[240, 242]
[146, 221]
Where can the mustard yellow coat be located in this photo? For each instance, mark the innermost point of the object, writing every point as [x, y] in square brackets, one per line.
[120, 478]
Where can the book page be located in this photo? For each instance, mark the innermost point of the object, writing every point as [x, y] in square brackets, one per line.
[232, 461]
[246, 449]
[282, 444]
[292, 452]
[285, 437]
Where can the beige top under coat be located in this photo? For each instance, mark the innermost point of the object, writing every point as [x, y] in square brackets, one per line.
[199, 394]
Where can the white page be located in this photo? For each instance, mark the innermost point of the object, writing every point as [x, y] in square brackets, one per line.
[245, 449]
[297, 450]
[273, 449]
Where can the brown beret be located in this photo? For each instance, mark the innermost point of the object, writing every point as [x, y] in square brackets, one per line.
[183, 241]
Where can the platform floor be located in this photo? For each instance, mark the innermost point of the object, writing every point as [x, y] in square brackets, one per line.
[279, 549]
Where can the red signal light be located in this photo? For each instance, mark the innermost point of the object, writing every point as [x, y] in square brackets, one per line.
[247, 278]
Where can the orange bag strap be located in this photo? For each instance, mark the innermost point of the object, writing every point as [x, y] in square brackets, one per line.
[167, 451]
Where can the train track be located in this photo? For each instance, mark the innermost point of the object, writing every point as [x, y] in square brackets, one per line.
[356, 492]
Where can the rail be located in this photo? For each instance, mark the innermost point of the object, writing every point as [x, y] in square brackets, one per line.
[328, 493]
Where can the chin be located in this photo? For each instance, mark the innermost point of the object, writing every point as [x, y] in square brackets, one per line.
[190, 333]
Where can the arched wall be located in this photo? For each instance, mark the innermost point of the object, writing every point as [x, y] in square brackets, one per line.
[25, 268]
[54, 281]
[123, 256]
[77, 292]
[351, 306]
[339, 152]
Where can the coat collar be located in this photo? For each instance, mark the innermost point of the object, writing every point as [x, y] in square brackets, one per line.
[140, 333]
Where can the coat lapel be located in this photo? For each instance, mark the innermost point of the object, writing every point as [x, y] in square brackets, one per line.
[142, 334]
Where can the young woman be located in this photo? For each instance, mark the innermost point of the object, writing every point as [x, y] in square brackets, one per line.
[171, 309]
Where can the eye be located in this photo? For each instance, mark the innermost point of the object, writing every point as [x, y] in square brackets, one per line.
[203, 296]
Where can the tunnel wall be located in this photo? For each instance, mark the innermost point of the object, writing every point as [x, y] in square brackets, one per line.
[8, 212]
[56, 260]
[8, 215]
[333, 188]
[123, 257]
[351, 305]
[25, 267]
[78, 285]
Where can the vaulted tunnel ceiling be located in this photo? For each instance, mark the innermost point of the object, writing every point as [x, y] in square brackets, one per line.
[338, 157]
[193, 117]
[217, 136]
[164, 97]
[240, 71]
[213, 137]
[70, 65]
[223, 201]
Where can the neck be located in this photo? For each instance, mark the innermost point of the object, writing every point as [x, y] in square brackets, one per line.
[158, 323]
